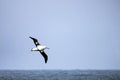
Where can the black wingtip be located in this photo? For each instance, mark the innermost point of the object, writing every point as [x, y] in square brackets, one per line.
[45, 61]
[30, 37]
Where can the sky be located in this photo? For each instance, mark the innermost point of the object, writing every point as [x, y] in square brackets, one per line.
[81, 34]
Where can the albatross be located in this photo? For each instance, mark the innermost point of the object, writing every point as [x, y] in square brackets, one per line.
[39, 48]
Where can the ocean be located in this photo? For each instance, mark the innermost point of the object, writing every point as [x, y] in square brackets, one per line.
[59, 74]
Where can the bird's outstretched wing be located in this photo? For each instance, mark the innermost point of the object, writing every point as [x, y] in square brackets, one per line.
[44, 55]
[35, 41]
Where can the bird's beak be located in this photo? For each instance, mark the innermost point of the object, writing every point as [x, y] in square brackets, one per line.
[47, 48]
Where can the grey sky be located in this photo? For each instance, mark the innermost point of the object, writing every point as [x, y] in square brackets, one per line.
[81, 34]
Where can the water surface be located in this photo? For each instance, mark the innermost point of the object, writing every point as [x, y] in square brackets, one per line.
[59, 74]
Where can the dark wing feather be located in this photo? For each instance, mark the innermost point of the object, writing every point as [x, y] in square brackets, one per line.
[35, 41]
[44, 55]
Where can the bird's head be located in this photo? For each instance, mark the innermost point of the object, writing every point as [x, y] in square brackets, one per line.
[46, 47]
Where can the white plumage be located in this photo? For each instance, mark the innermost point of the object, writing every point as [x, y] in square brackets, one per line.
[39, 47]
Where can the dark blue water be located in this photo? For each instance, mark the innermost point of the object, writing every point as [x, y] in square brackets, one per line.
[59, 74]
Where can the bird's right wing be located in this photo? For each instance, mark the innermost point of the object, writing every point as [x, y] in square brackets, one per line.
[44, 55]
[35, 41]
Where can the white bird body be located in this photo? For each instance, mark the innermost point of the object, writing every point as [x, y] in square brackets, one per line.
[39, 47]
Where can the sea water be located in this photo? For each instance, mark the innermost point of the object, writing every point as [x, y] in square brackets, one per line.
[59, 74]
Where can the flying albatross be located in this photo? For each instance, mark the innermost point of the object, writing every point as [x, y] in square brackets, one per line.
[40, 48]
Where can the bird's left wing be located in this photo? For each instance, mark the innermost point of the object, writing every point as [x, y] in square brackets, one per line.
[44, 55]
[35, 41]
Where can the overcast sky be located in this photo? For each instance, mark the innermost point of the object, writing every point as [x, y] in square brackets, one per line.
[81, 34]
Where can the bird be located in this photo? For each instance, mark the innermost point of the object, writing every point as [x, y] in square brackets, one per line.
[40, 48]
